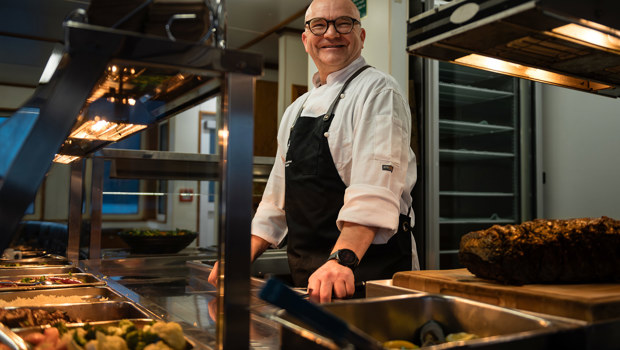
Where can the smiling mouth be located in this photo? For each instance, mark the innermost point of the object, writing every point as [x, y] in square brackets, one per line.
[332, 46]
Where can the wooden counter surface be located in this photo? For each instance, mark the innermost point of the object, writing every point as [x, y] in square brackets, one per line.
[588, 302]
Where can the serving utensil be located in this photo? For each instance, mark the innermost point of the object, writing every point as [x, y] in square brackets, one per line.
[12, 340]
[280, 295]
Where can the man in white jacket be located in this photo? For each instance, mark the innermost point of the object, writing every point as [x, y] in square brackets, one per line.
[341, 184]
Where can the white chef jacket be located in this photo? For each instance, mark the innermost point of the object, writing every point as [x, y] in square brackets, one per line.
[369, 140]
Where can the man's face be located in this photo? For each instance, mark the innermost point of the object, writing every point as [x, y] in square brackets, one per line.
[333, 51]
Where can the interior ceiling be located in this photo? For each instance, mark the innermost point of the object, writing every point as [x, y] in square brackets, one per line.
[29, 30]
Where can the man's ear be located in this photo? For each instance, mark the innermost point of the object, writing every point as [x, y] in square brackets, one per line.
[363, 36]
[304, 40]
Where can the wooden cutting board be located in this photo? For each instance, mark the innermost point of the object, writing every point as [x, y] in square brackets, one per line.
[588, 302]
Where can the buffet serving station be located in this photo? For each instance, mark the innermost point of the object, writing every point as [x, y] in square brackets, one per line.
[145, 288]
[174, 288]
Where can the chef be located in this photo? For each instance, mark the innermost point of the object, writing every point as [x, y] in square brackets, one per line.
[340, 189]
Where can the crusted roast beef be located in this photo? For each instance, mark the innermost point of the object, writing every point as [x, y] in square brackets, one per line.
[545, 251]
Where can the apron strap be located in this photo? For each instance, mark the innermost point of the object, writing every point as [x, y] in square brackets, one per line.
[330, 111]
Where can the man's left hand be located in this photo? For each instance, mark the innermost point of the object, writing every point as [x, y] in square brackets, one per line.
[331, 280]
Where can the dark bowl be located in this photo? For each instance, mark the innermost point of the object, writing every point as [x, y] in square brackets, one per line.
[168, 244]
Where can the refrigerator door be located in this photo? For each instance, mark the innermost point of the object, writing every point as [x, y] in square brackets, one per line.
[484, 156]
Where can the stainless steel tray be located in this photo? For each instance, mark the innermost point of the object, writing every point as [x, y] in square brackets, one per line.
[138, 322]
[90, 312]
[87, 294]
[86, 278]
[39, 270]
[46, 260]
[401, 317]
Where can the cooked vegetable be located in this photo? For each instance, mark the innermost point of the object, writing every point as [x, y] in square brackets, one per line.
[399, 345]
[123, 336]
[460, 336]
[171, 333]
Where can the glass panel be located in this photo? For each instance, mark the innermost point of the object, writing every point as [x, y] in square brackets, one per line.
[479, 154]
[162, 185]
[118, 198]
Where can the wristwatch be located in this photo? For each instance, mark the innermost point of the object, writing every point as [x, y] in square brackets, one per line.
[345, 257]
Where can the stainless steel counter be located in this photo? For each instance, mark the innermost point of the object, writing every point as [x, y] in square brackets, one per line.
[174, 287]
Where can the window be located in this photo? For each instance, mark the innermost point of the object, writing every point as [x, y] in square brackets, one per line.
[120, 195]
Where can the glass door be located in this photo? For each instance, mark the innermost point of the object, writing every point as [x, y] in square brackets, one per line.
[480, 169]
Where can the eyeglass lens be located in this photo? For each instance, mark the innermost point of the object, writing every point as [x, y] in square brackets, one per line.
[319, 26]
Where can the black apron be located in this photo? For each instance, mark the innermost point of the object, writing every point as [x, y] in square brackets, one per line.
[313, 198]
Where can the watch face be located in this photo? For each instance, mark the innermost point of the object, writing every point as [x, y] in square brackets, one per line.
[347, 257]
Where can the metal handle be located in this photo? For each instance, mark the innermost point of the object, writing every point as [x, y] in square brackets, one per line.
[12, 340]
[173, 18]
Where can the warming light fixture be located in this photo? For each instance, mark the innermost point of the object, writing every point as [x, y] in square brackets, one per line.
[597, 39]
[531, 73]
[100, 129]
[64, 159]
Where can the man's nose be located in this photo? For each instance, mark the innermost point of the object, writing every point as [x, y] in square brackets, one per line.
[331, 31]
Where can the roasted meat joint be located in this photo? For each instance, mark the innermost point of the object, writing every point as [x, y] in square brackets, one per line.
[545, 251]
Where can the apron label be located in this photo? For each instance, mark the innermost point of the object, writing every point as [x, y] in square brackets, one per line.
[389, 168]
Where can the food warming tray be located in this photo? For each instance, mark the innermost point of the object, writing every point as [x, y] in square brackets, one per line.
[39, 270]
[402, 317]
[86, 278]
[46, 260]
[87, 294]
[139, 323]
[91, 312]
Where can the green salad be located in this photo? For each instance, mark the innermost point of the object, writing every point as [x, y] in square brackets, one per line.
[156, 233]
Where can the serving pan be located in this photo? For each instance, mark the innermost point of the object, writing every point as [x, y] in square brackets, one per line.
[46, 260]
[82, 312]
[402, 317]
[23, 332]
[39, 270]
[86, 294]
[27, 282]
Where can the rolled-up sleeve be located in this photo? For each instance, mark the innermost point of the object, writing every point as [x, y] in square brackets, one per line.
[269, 221]
[380, 156]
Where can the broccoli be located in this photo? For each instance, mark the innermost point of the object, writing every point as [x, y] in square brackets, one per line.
[133, 338]
[78, 338]
[149, 337]
[127, 326]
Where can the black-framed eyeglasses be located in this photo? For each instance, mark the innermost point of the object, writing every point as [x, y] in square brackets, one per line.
[343, 25]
